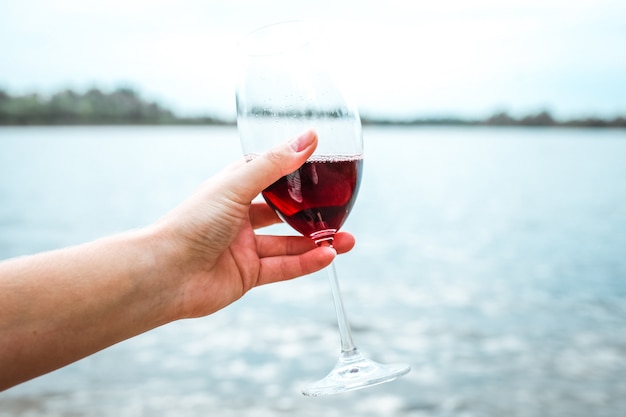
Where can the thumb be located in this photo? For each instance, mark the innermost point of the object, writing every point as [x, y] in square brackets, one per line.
[253, 177]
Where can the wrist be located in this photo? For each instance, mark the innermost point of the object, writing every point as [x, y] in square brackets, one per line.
[166, 275]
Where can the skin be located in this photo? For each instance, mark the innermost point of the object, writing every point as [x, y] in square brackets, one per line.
[58, 307]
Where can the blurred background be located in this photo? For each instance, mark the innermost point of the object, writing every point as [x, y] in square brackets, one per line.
[450, 57]
[491, 221]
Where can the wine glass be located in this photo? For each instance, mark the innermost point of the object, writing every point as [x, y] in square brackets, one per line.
[286, 88]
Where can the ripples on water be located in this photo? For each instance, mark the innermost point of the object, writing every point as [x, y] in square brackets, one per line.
[489, 259]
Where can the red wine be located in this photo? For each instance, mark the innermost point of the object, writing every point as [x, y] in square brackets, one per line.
[317, 198]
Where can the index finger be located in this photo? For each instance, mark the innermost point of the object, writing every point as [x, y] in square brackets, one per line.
[262, 215]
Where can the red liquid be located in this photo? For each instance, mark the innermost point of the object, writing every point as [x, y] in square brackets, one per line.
[317, 198]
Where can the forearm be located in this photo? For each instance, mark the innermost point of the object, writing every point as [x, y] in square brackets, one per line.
[61, 306]
[58, 307]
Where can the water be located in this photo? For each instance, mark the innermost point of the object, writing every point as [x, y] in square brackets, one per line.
[491, 260]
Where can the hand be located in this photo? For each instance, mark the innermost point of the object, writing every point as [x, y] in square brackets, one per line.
[60, 306]
[219, 255]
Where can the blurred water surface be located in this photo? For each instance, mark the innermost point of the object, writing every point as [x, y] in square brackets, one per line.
[492, 260]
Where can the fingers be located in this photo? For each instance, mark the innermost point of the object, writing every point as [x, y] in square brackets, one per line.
[344, 242]
[281, 268]
[268, 246]
[251, 178]
[287, 257]
[262, 215]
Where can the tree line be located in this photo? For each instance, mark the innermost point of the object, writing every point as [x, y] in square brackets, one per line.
[67, 107]
[126, 106]
[540, 119]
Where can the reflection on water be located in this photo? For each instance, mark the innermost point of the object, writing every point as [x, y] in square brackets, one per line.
[489, 259]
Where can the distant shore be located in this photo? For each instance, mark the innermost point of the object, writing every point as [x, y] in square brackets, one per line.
[541, 119]
[124, 106]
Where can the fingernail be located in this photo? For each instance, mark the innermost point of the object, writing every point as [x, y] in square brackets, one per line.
[303, 141]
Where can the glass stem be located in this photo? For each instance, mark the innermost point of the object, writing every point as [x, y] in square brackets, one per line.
[347, 345]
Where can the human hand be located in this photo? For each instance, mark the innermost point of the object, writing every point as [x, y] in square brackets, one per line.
[212, 242]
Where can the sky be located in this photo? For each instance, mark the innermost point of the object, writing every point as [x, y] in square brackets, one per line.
[466, 58]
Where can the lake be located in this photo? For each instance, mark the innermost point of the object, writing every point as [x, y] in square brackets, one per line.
[490, 259]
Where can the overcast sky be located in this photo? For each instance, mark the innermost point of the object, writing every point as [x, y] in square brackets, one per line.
[442, 57]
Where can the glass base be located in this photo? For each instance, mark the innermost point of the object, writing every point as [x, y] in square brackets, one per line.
[354, 371]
